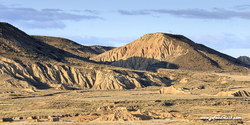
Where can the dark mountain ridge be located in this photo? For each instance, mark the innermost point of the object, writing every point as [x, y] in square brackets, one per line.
[73, 47]
[244, 59]
[15, 43]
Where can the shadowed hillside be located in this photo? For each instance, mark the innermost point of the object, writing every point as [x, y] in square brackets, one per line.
[15, 43]
[174, 49]
[73, 47]
[51, 62]
[18, 45]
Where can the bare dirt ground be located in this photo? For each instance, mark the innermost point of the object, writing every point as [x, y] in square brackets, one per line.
[236, 77]
[199, 103]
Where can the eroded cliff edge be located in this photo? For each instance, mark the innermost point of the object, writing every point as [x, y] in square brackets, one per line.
[42, 75]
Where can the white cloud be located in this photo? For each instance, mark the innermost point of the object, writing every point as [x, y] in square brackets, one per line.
[92, 11]
[134, 12]
[46, 18]
[216, 13]
[242, 7]
[51, 10]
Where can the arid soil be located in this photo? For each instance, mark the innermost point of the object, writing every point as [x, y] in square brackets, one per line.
[150, 105]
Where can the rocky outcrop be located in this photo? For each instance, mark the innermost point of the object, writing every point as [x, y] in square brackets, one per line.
[155, 46]
[161, 50]
[242, 93]
[45, 75]
[238, 93]
[227, 93]
[16, 74]
[171, 90]
[121, 114]
[244, 59]
[148, 50]
[111, 80]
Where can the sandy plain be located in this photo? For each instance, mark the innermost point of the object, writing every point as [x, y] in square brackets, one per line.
[129, 107]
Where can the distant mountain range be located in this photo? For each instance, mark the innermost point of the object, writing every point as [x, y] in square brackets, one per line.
[244, 59]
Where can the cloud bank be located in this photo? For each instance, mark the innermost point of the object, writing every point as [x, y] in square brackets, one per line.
[45, 18]
[134, 12]
[216, 13]
[242, 7]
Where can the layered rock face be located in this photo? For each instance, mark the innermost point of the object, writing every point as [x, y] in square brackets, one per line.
[16, 44]
[148, 50]
[244, 59]
[15, 74]
[161, 50]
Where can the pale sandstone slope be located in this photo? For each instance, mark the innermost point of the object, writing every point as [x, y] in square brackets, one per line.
[43, 62]
[238, 93]
[167, 51]
[147, 50]
[41, 75]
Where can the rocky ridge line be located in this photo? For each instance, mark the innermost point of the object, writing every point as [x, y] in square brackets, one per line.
[16, 74]
[162, 50]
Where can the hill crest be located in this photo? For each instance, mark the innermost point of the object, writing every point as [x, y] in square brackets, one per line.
[167, 51]
[15, 43]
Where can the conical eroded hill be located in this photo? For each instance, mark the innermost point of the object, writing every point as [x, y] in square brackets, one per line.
[161, 50]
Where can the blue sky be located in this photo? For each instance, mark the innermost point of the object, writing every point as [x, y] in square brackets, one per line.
[220, 24]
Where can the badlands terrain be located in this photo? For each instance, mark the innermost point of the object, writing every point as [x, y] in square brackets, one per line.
[159, 78]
